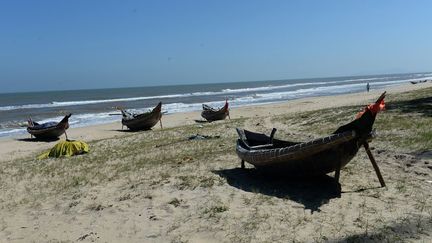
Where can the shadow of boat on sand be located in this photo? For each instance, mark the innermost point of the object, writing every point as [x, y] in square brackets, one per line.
[310, 192]
[38, 139]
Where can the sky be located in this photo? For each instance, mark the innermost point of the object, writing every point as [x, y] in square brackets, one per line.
[56, 45]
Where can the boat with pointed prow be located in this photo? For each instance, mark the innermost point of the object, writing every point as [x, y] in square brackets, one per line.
[317, 157]
[143, 121]
[213, 114]
[48, 130]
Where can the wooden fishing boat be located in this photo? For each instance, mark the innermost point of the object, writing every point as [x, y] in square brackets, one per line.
[48, 130]
[143, 121]
[212, 114]
[316, 157]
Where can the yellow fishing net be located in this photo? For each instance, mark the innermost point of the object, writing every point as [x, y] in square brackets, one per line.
[66, 149]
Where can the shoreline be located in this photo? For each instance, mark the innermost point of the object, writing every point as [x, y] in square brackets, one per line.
[13, 147]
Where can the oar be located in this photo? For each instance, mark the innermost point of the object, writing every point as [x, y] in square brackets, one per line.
[30, 123]
[160, 119]
[369, 153]
[226, 104]
[374, 164]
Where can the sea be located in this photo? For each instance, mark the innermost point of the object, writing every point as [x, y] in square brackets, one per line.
[98, 106]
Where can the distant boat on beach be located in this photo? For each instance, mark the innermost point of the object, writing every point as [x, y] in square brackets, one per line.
[48, 130]
[212, 114]
[143, 121]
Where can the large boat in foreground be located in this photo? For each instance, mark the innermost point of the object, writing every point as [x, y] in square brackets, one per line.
[312, 158]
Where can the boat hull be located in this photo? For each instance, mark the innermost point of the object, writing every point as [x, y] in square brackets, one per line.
[144, 121]
[51, 132]
[315, 158]
[215, 115]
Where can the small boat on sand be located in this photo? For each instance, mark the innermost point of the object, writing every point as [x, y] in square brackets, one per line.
[48, 130]
[212, 114]
[143, 121]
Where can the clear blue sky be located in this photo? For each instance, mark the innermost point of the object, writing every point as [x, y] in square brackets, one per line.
[96, 44]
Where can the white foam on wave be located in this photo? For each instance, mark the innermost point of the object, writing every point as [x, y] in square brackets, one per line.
[89, 102]
[422, 74]
[11, 132]
[204, 93]
[267, 88]
[315, 91]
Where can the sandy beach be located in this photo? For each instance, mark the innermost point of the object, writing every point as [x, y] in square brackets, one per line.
[155, 186]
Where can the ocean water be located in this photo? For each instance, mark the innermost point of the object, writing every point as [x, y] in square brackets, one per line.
[95, 106]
